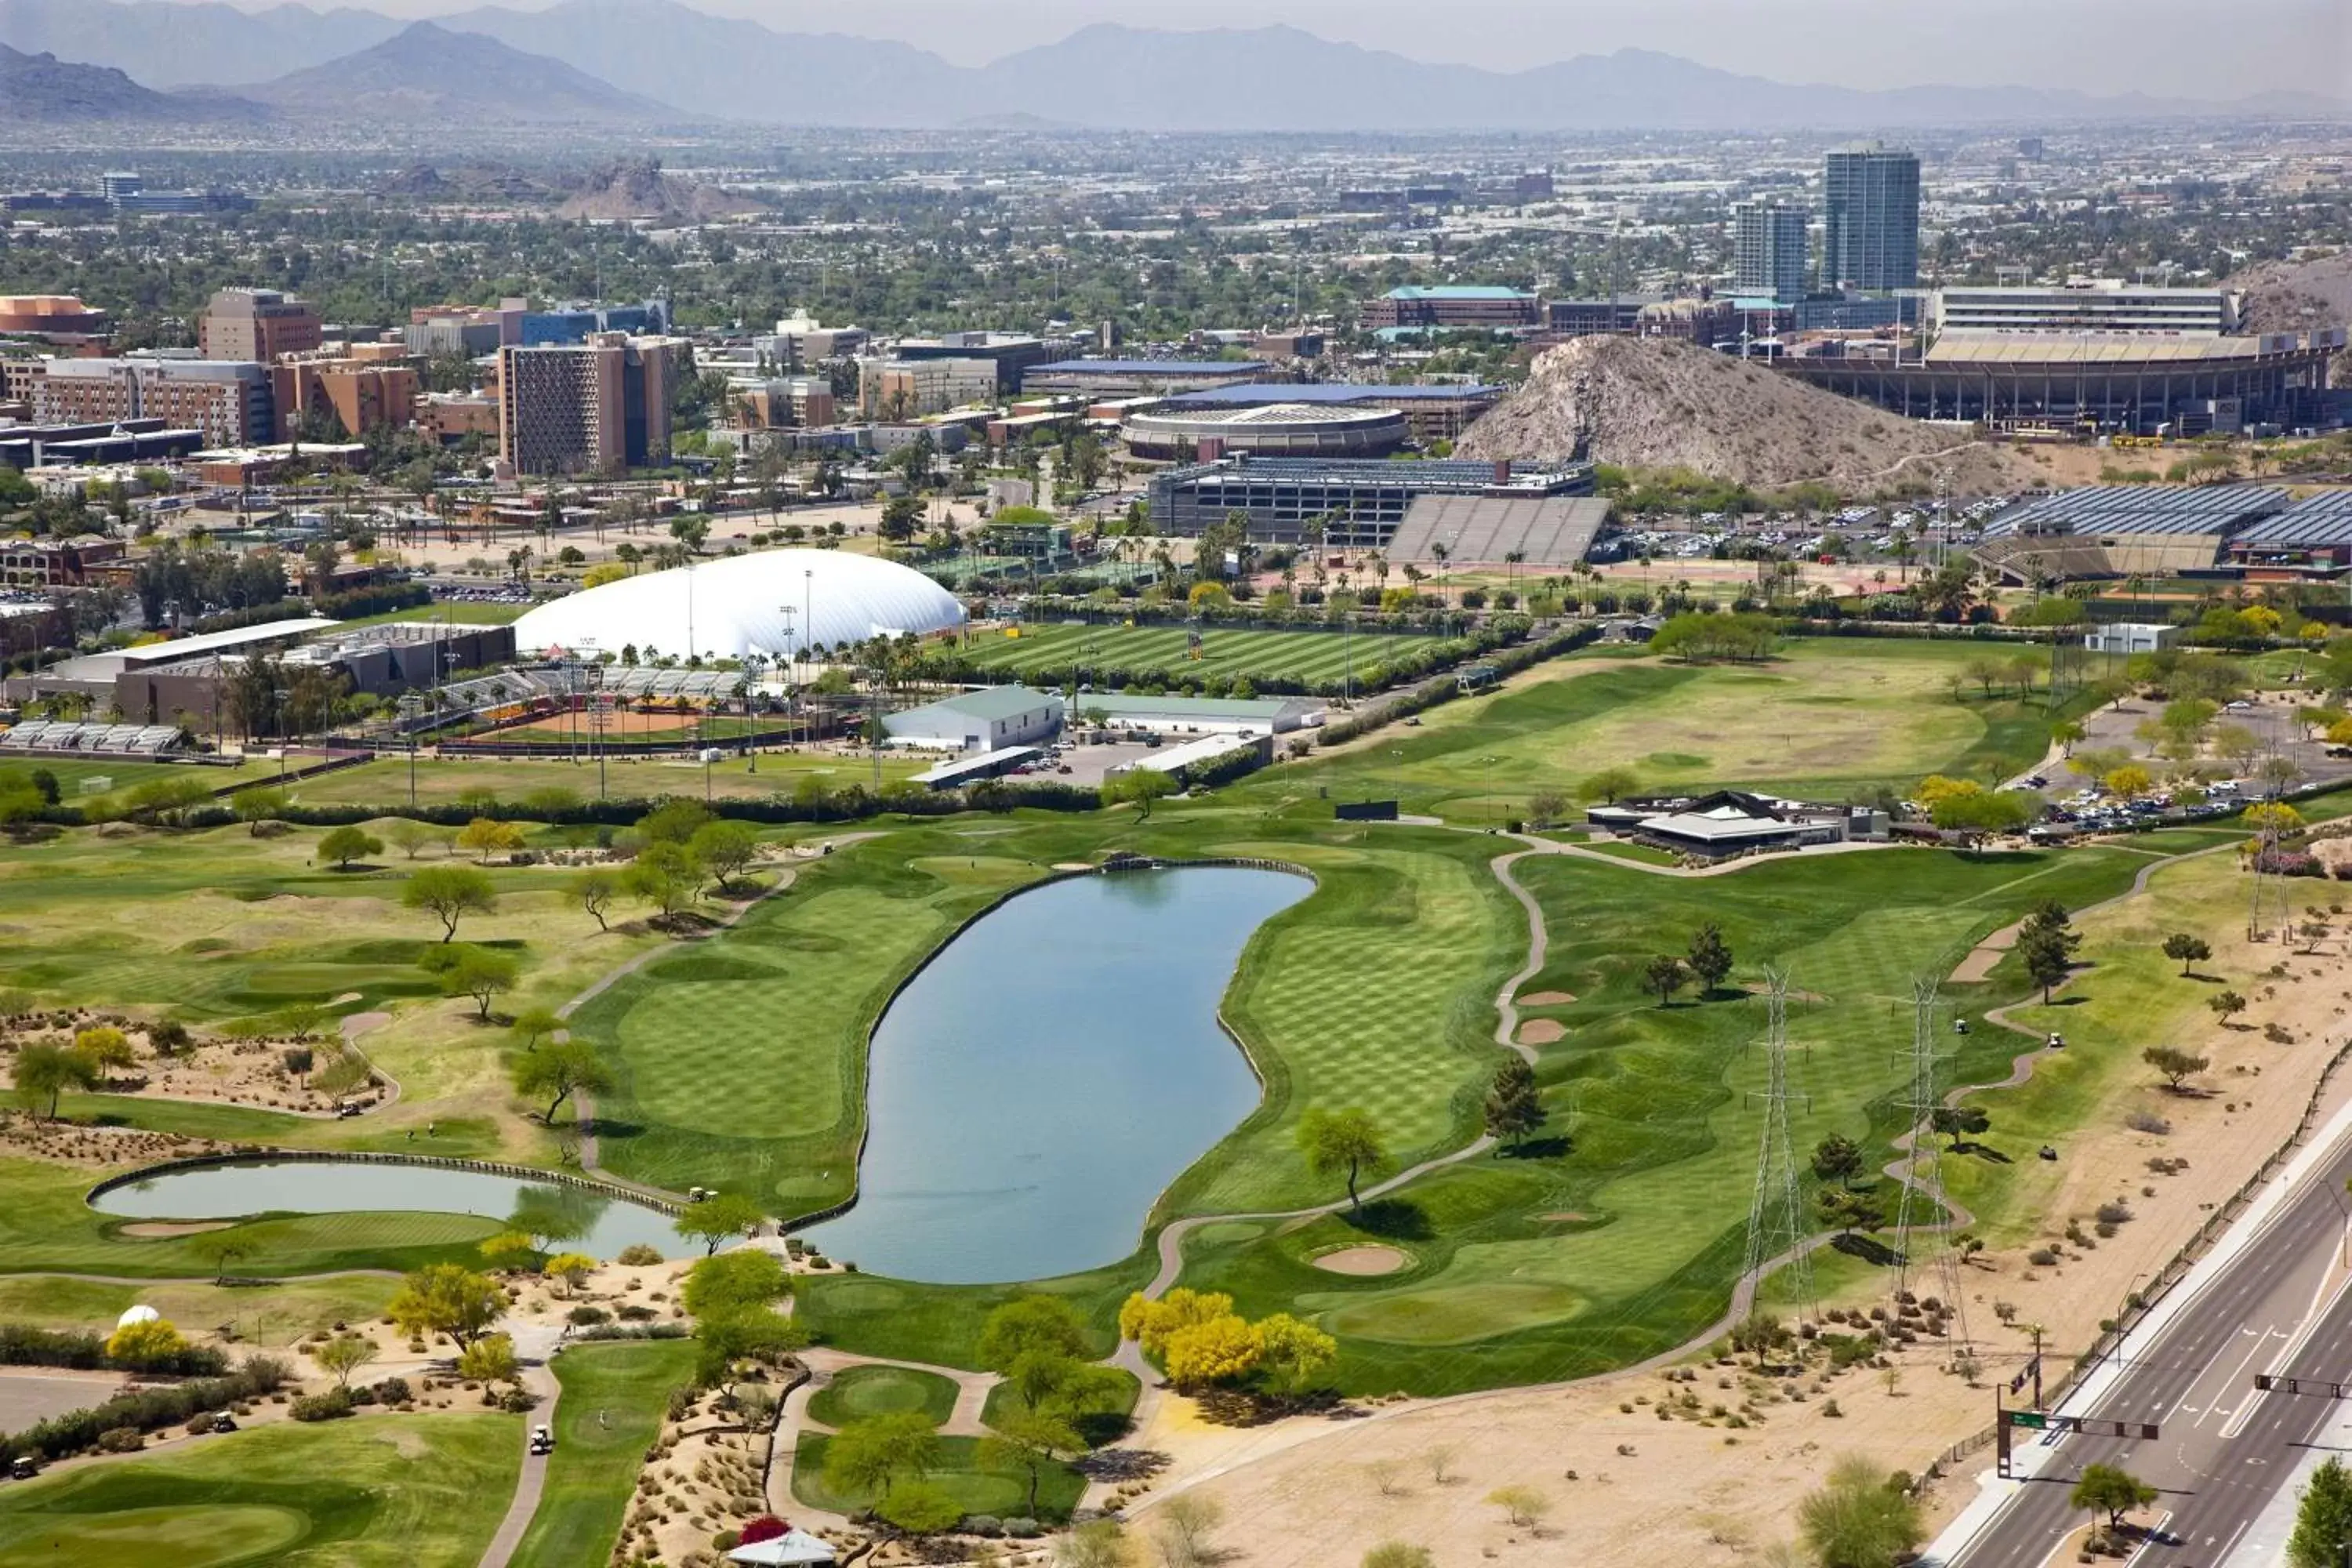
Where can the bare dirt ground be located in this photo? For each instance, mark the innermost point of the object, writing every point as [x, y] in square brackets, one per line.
[1640, 1490]
[28, 1396]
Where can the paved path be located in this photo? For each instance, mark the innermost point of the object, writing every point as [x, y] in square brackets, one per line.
[534, 1344]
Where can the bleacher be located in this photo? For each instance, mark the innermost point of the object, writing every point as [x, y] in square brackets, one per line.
[53, 737]
[1539, 531]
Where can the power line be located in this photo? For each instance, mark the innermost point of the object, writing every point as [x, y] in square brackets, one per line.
[1776, 1215]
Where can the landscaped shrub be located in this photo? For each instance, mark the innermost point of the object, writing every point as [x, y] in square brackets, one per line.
[327, 1406]
[145, 1410]
[584, 1316]
[393, 1391]
[633, 1331]
[121, 1440]
[21, 1344]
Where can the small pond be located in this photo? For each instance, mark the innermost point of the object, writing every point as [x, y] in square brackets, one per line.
[1038, 1085]
[582, 1219]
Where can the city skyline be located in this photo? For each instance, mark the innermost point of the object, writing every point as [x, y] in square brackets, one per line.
[2106, 46]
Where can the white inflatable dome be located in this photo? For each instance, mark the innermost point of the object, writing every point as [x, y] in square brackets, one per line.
[137, 1315]
[769, 603]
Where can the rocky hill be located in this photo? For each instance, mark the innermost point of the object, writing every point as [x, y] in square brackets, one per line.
[2296, 296]
[637, 188]
[1656, 403]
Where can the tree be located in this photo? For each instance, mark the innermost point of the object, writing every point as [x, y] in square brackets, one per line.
[2323, 1518]
[408, 835]
[1837, 1158]
[1858, 1519]
[722, 1216]
[152, 1342]
[1150, 1321]
[919, 1508]
[220, 1248]
[667, 876]
[107, 1049]
[487, 836]
[2177, 1065]
[257, 804]
[451, 893]
[745, 1333]
[1849, 1211]
[1342, 1141]
[2048, 957]
[1141, 786]
[733, 1282]
[2192, 950]
[725, 849]
[1293, 1353]
[1979, 814]
[1097, 1543]
[481, 972]
[343, 1356]
[1709, 957]
[509, 1249]
[1029, 1442]
[1523, 1506]
[299, 1061]
[594, 891]
[1220, 1350]
[533, 1025]
[869, 1455]
[1027, 1325]
[446, 1299]
[1513, 1105]
[491, 1359]
[1665, 975]
[2229, 1005]
[558, 1072]
[571, 1268]
[2129, 780]
[1959, 1122]
[1610, 785]
[44, 1070]
[345, 844]
[1399, 1554]
[2110, 1490]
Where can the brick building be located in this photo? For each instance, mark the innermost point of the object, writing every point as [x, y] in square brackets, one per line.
[258, 324]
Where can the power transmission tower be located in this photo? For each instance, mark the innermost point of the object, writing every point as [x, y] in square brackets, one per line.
[1776, 1215]
[1921, 1220]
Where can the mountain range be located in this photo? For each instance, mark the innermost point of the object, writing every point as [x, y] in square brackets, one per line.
[641, 59]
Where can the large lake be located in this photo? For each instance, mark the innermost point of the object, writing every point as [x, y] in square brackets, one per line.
[1039, 1084]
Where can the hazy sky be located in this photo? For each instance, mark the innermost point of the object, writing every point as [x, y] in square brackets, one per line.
[2212, 49]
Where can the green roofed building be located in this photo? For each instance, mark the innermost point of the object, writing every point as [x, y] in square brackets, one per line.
[988, 719]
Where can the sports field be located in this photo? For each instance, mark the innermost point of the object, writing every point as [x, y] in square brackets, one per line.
[1826, 718]
[382, 1491]
[1310, 656]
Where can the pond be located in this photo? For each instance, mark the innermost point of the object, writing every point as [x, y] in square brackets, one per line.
[1037, 1086]
[581, 1220]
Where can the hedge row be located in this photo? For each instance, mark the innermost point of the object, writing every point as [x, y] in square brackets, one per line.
[21, 1344]
[1444, 687]
[145, 1410]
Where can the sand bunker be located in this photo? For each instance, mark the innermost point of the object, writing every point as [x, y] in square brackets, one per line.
[1564, 1216]
[1541, 1032]
[175, 1226]
[1546, 999]
[1363, 1261]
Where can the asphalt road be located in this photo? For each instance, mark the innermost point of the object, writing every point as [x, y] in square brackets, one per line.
[2225, 1449]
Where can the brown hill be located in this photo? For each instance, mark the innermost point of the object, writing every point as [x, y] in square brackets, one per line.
[637, 188]
[1654, 403]
[2296, 296]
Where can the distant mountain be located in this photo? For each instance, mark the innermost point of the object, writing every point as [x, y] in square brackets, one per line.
[43, 90]
[637, 188]
[427, 73]
[1112, 77]
[167, 45]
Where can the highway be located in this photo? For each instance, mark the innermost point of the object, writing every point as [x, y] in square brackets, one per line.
[2225, 1449]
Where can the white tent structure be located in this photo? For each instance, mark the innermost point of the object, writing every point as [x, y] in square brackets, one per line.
[140, 1314]
[770, 602]
[794, 1546]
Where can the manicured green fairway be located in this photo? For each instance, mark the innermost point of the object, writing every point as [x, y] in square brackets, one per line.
[1829, 718]
[1314, 658]
[611, 1410]
[1003, 1492]
[862, 1390]
[1624, 1240]
[276, 1316]
[380, 1491]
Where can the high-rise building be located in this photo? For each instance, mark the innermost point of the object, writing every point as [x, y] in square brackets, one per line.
[358, 395]
[1768, 250]
[230, 402]
[258, 324]
[596, 407]
[1870, 213]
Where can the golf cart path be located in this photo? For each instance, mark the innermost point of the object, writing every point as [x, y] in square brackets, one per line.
[972, 1387]
[531, 1481]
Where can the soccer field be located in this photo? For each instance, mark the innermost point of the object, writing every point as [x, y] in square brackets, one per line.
[1309, 656]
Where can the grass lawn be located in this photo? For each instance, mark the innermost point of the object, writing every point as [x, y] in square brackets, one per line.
[862, 1390]
[1312, 657]
[1827, 718]
[379, 1491]
[1003, 1492]
[441, 780]
[277, 1315]
[611, 1410]
[1620, 1235]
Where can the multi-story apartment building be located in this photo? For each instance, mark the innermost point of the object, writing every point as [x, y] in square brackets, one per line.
[908, 389]
[230, 402]
[1768, 250]
[361, 395]
[1870, 219]
[596, 407]
[258, 324]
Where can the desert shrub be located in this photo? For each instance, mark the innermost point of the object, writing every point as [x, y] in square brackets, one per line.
[2148, 1121]
[327, 1406]
[121, 1440]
